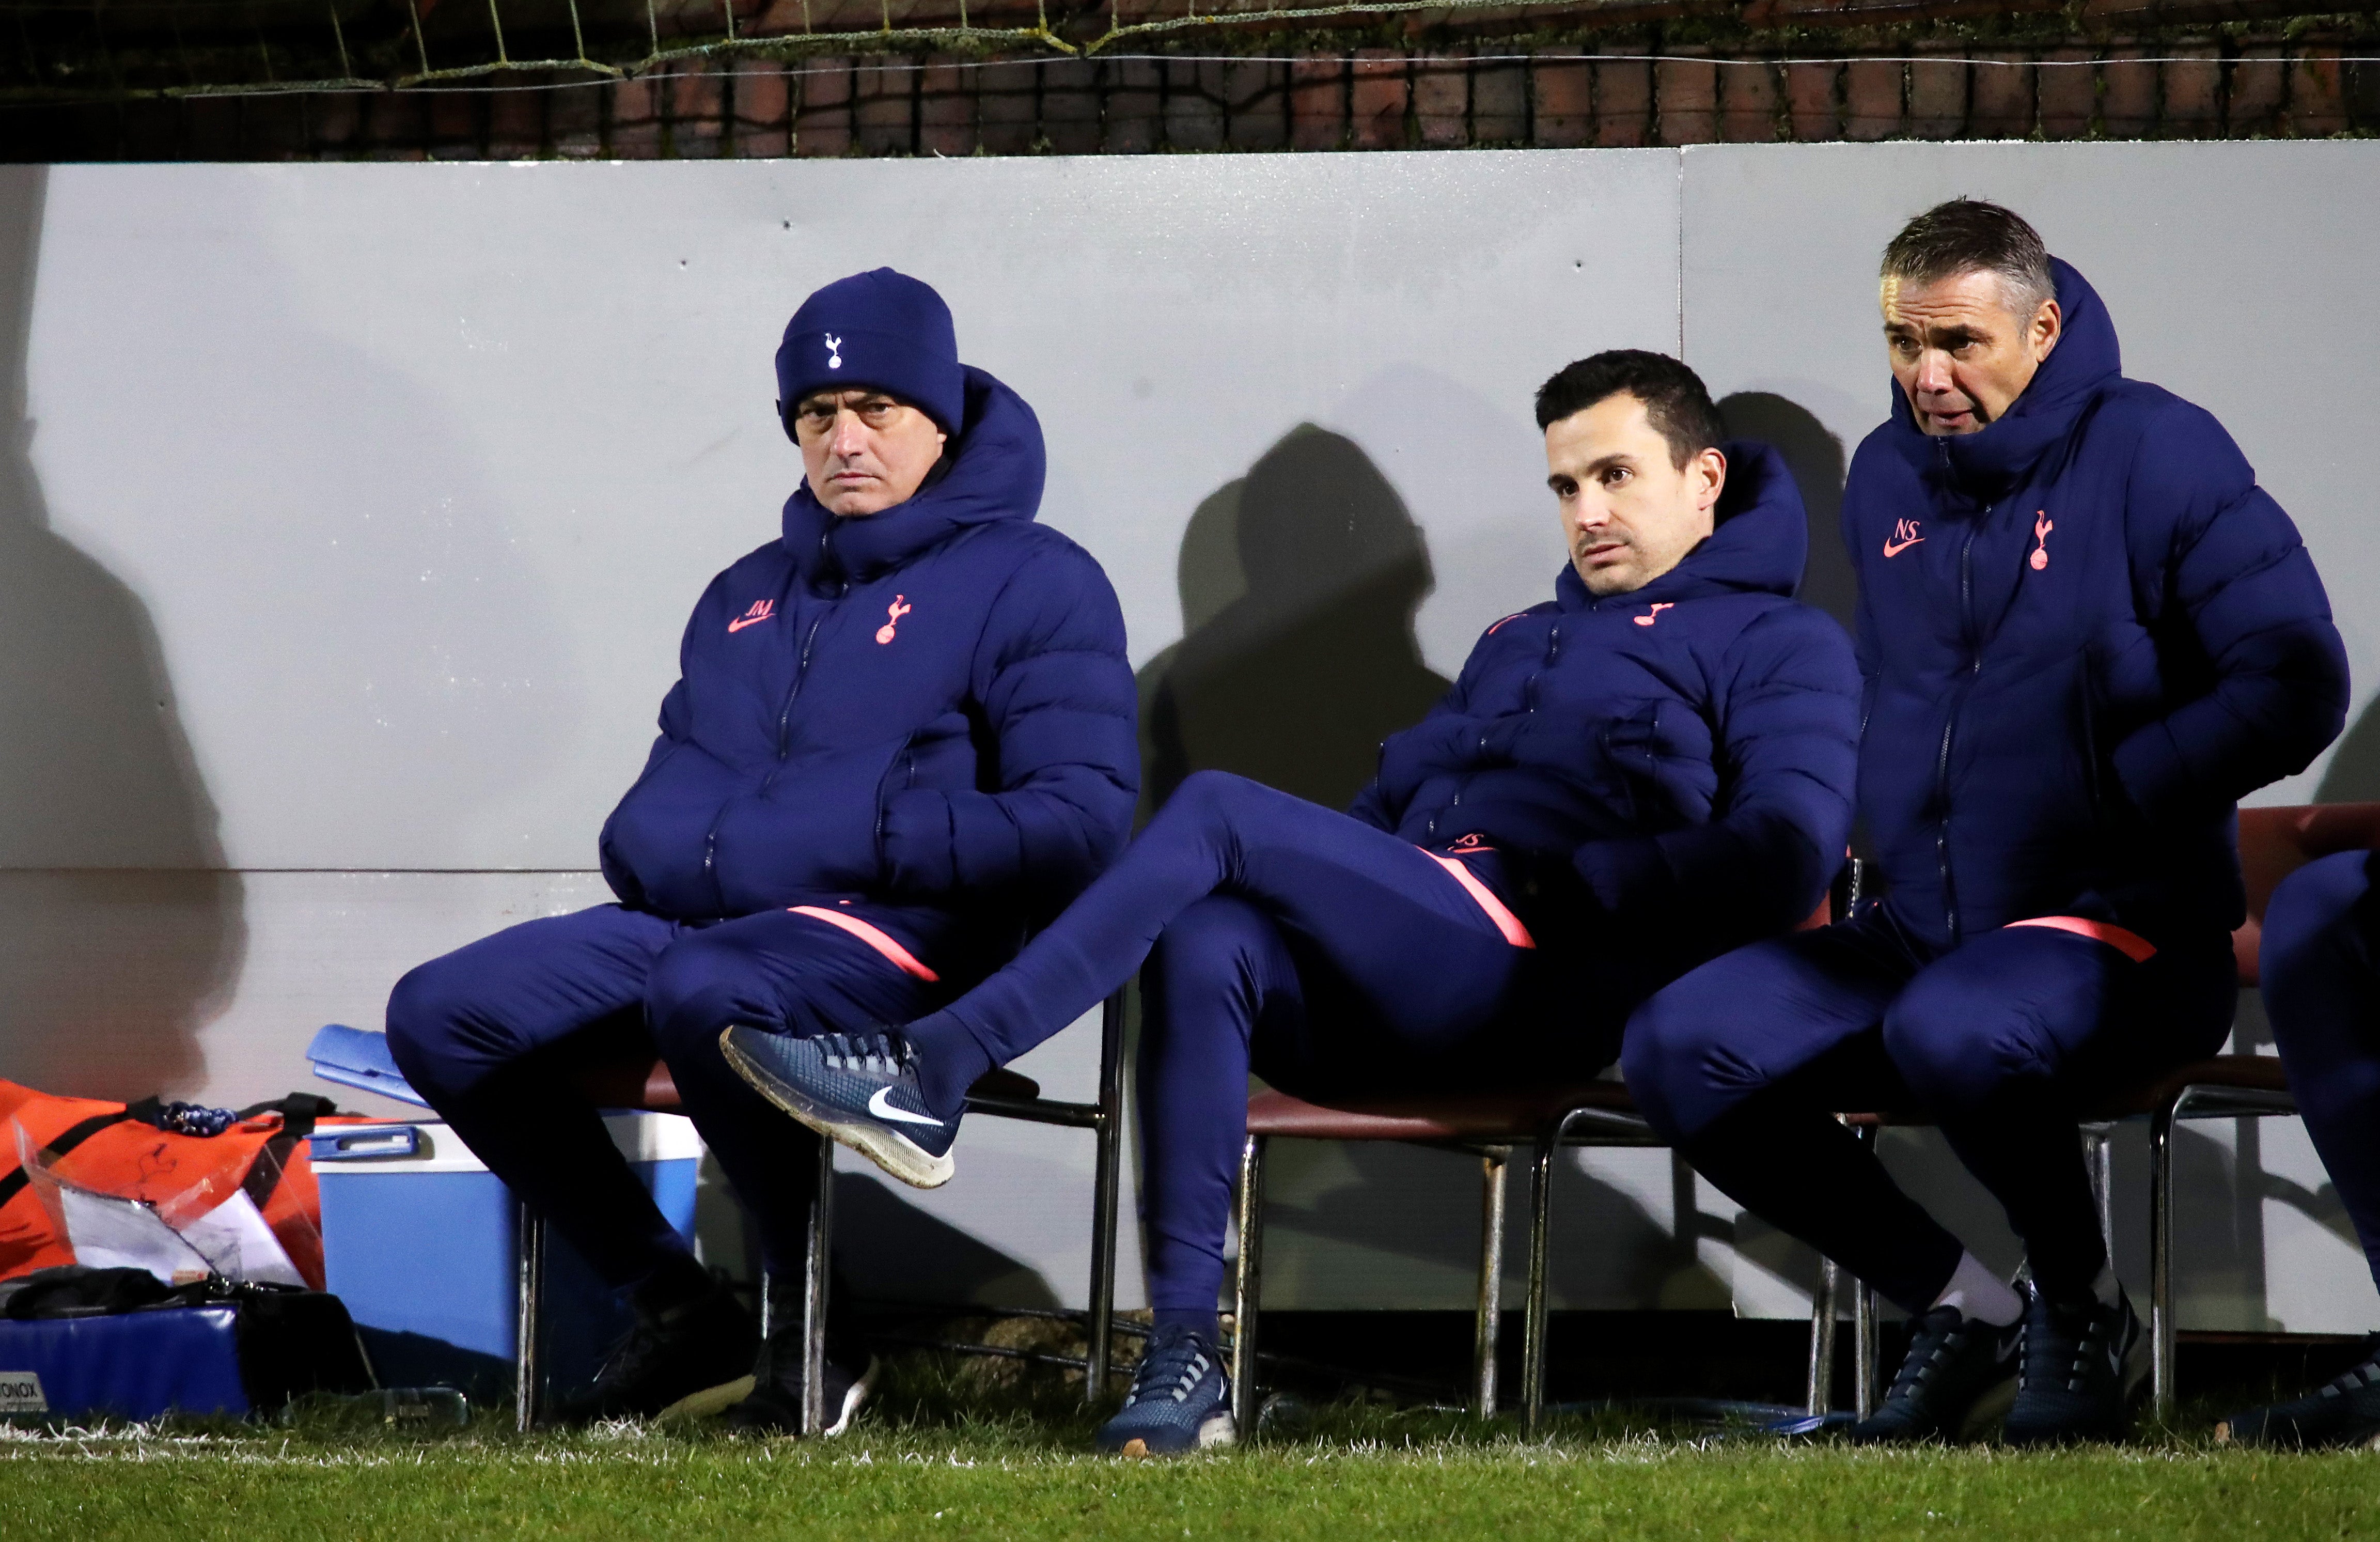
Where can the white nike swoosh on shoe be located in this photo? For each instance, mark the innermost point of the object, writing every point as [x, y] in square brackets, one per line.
[881, 1107]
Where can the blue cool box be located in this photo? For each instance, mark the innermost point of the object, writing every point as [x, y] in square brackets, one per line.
[420, 1241]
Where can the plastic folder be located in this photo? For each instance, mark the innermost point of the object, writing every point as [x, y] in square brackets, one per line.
[352, 1057]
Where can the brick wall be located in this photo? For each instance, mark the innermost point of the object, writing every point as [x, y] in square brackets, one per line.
[1365, 99]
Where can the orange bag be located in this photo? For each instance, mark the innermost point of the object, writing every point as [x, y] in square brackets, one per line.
[117, 1148]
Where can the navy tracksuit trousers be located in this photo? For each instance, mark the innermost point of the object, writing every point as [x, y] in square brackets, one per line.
[1743, 1063]
[493, 1035]
[1328, 956]
[2321, 991]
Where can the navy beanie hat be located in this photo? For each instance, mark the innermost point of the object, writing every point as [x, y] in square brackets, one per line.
[878, 329]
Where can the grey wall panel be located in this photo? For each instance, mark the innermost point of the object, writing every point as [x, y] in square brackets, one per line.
[208, 985]
[415, 471]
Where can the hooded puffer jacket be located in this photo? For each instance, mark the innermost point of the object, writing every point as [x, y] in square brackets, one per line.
[2086, 633]
[929, 708]
[1677, 760]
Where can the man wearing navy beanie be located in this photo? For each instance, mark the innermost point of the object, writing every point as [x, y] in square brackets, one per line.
[903, 733]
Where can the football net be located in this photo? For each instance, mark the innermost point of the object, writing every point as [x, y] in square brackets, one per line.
[100, 50]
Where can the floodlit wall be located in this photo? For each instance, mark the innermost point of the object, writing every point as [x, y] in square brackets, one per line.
[357, 508]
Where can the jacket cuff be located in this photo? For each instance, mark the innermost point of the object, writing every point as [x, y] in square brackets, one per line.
[920, 853]
[2152, 773]
[1623, 873]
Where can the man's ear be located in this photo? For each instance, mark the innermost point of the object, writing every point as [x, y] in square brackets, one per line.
[1711, 466]
[2048, 326]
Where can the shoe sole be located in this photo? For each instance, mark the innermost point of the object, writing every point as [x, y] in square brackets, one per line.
[1217, 1431]
[698, 1404]
[709, 1401]
[854, 1396]
[889, 1150]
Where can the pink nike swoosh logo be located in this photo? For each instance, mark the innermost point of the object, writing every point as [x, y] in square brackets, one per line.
[741, 622]
[1893, 549]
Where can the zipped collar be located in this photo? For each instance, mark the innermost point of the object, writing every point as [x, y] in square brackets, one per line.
[995, 474]
[2086, 362]
[1759, 545]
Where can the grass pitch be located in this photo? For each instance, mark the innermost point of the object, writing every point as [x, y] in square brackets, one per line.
[956, 1452]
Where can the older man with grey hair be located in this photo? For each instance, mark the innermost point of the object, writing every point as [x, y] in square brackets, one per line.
[2086, 633]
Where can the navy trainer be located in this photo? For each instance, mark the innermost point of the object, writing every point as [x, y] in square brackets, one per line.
[2344, 1411]
[1957, 1378]
[2080, 1363]
[859, 1088]
[1181, 1400]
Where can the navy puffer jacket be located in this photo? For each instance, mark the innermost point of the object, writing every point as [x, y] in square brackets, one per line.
[2086, 633]
[1679, 758]
[929, 708]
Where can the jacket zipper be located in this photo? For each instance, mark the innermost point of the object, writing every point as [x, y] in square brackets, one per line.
[785, 731]
[1529, 698]
[1950, 726]
[2091, 735]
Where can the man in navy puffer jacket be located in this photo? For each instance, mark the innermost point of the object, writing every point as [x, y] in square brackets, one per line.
[2086, 633]
[899, 732]
[1651, 767]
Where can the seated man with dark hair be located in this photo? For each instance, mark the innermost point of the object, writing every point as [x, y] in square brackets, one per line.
[2086, 633]
[1648, 769]
[900, 730]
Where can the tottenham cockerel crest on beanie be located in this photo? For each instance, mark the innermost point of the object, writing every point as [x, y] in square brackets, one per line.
[880, 329]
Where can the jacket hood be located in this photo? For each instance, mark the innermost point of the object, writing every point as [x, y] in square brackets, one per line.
[2085, 362]
[1760, 544]
[995, 473]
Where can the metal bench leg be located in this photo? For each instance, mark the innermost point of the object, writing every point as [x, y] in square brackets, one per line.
[1106, 1180]
[2100, 1156]
[1535, 1324]
[2161, 1324]
[1532, 1312]
[1822, 1338]
[1865, 1320]
[528, 1246]
[815, 1264]
[1492, 1283]
[1864, 1323]
[1247, 1286]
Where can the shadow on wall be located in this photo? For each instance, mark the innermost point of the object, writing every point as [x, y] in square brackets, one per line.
[898, 1251]
[1299, 586]
[1335, 1213]
[106, 832]
[1815, 455]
